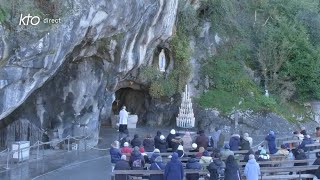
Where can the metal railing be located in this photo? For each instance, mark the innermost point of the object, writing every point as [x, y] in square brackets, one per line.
[8, 154]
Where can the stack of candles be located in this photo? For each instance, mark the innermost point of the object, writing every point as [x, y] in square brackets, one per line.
[185, 117]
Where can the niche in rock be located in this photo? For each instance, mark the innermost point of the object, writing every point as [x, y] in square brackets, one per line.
[161, 59]
[136, 102]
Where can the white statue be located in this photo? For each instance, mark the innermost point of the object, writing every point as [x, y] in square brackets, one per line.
[162, 61]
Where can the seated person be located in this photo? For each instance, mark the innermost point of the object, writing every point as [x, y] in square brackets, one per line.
[122, 165]
[157, 165]
[283, 151]
[180, 151]
[126, 148]
[205, 160]
[264, 157]
[200, 153]
[193, 164]
[194, 147]
[226, 151]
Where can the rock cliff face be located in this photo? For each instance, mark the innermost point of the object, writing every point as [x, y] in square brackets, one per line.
[63, 77]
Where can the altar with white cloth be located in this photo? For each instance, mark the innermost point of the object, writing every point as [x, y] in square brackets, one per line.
[132, 121]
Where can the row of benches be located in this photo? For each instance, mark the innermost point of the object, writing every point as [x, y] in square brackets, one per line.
[265, 172]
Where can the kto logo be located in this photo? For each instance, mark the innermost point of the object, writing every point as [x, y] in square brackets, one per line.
[25, 20]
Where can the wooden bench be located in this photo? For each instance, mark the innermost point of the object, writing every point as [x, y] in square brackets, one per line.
[296, 169]
[153, 172]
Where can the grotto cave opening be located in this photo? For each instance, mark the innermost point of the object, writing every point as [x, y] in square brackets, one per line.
[136, 101]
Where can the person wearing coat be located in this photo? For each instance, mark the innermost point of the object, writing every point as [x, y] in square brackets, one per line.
[148, 143]
[225, 153]
[157, 140]
[232, 171]
[305, 141]
[155, 154]
[202, 140]
[163, 145]
[216, 164]
[115, 153]
[245, 142]
[136, 160]
[252, 169]
[157, 165]
[271, 138]
[234, 142]
[169, 138]
[174, 169]
[193, 164]
[122, 165]
[187, 141]
[205, 160]
[180, 151]
[126, 148]
[136, 141]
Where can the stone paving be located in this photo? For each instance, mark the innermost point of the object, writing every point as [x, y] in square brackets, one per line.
[81, 165]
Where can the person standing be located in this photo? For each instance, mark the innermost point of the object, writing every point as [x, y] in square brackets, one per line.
[202, 140]
[123, 120]
[232, 169]
[122, 165]
[187, 141]
[157, 140]
[252, 169]
[174, 169]
[215, 137]
[271, 138]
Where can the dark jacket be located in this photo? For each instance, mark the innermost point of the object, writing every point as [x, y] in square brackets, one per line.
[221, 141]
[136, 158]
[245, 145]
[174, 169]
[157, 166]
[148, 144]
[163, 146]
[234, 143]
[122, 165]
[175, 143]
[271, 143]
[303, 144]
[232, 171]
[300, 156]
[169, 139]
[136, 141]
[193, 163]
[115, 155]
[157, 140]
[123, 140]
[202, 141]
[316, 162]
[213, 167]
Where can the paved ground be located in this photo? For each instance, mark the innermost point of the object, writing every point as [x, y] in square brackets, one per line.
[91, 164]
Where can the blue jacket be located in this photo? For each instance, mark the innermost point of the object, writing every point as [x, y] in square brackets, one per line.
[303, 144]
[271, 143]
[193, 163]
[136, 156]
[174, 169]
[153, 157]
[115, 155]
[234, 143]
[252, 170]
[156, 166]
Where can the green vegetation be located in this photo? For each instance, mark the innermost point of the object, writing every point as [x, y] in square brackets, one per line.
[278, 40]
[186, 26]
